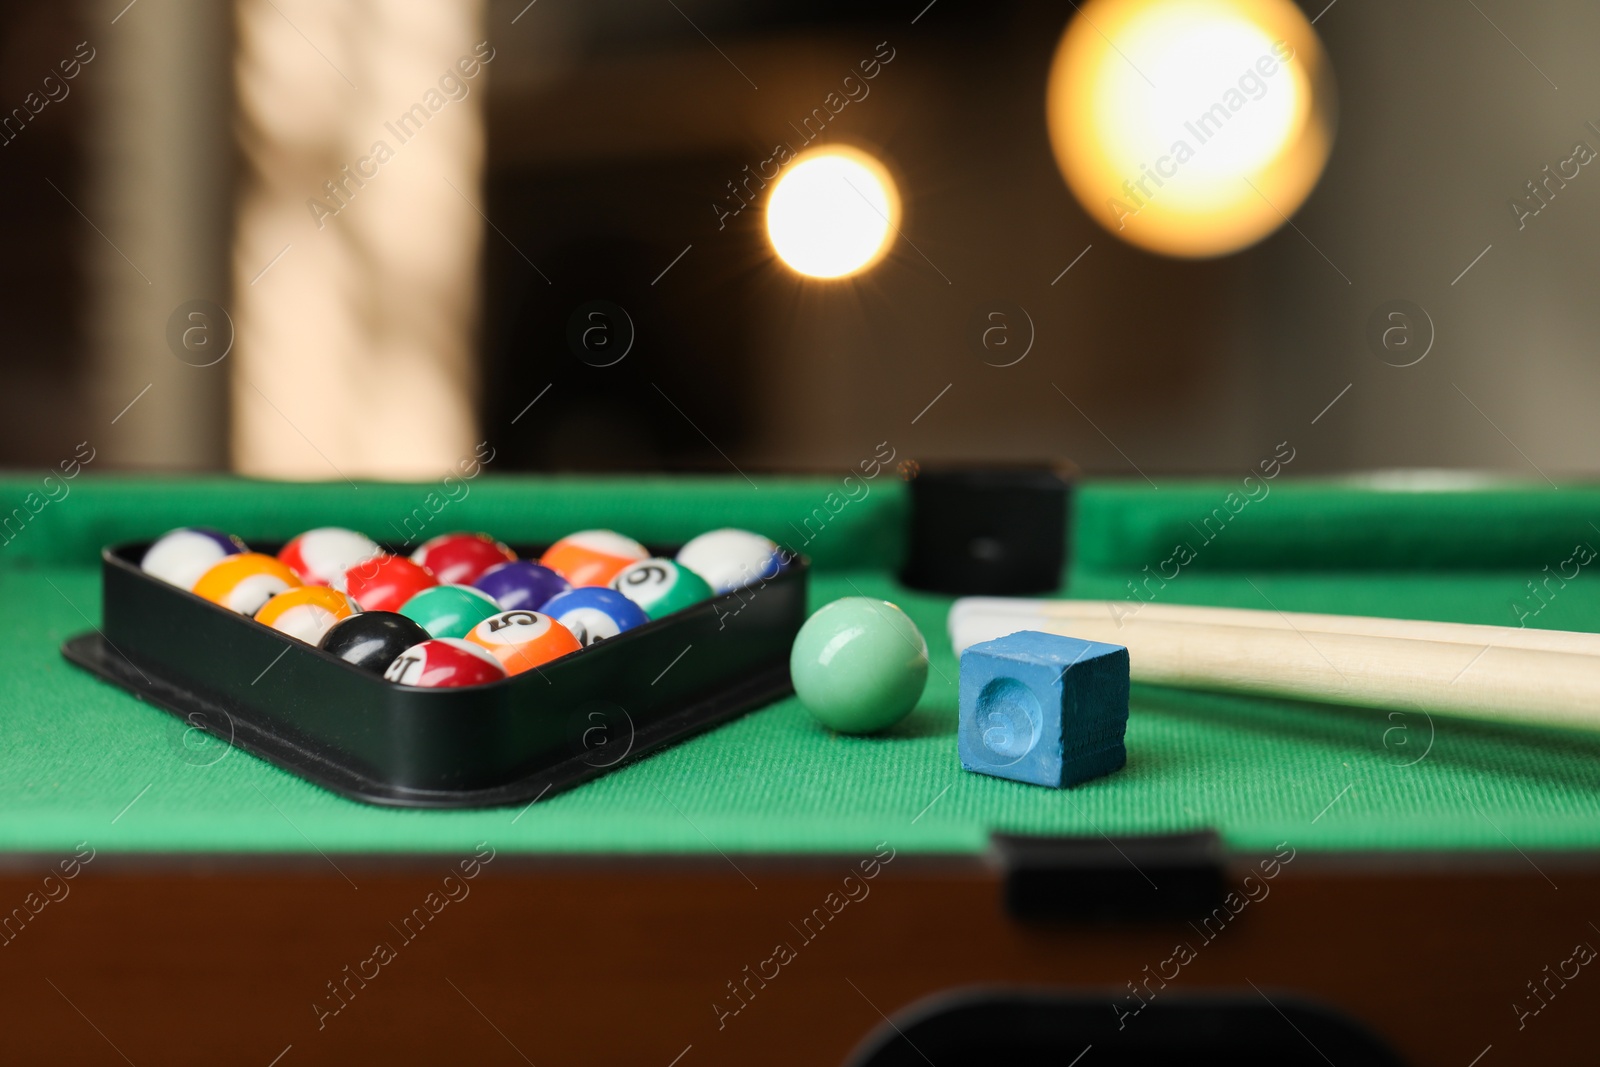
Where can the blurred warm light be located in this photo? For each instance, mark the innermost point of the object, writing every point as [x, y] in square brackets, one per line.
[833, 213]
[1191, 127]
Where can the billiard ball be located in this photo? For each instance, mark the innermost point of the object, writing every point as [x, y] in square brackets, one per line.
[461, 558]
[372, 639]
[859, 665]
[592, 557]
[660, 586]
[384, 582]
[245, 582]
[522, 585]
[731, 559]
[594, 613]
[320, 556]
[180, 557]
[306, 613]
[449, 610]
[444, 663]
[523, 640]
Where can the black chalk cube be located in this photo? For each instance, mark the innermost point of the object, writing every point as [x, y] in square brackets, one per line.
[1041, 708]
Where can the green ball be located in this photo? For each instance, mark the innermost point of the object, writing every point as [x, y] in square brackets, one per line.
[660, 586]
[859, 665]
[449, 610]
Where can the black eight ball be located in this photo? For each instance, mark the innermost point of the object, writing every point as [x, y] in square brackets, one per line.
[372, 640]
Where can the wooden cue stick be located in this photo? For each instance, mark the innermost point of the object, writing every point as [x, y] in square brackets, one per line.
[1492, 673]
[1458, 632]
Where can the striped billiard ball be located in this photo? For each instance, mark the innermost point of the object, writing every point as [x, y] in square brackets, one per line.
[594, 614]
[320, 556]
[731, 559]
[182, 556]
[306, 613]
[592, 557]
[660, 586]
[523, 640]
[244, 583]
[444, 663]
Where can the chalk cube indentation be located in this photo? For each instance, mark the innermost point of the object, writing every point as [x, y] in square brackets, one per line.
[1041, 708]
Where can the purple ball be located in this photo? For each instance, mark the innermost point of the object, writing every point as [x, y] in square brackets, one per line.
[521, 585]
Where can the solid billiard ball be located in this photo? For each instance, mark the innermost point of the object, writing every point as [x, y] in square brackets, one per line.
[306, 613]
[522, 585]
[594, 613]
[660, 586]
[592, 557]
[245, 582]
[384, 582]
[859, 665]
[180, 557]
[444, 663]
[461, 558]
[523, 640]
[320, 556]
[449, 610]
[731, 559]
[372, 639]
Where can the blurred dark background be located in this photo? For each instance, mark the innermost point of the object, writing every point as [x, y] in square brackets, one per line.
[43, 275]
[601, 135]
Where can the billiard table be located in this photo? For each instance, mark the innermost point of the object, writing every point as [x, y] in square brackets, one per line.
[1302, 882]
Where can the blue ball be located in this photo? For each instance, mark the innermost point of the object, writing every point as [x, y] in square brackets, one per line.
[522, 585]
[594, 613]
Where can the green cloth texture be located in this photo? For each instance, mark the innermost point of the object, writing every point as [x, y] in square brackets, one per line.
[1330, 526]
[81, 760]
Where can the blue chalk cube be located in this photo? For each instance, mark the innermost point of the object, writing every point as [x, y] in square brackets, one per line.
[1041, 708]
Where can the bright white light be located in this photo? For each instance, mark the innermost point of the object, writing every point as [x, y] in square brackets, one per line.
[1190, 127]
[1198, 57]
[832, 213]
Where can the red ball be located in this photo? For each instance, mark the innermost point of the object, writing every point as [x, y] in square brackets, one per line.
[444, 663]
[461, 558]
[384, 582]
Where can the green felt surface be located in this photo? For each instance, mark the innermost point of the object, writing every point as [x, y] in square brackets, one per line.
[75, 752]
